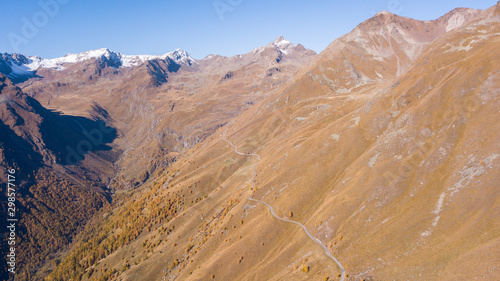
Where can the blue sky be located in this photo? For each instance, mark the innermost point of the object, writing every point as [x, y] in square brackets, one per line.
[226, 27]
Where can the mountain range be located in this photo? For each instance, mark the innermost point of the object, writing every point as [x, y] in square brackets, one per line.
[384, 148]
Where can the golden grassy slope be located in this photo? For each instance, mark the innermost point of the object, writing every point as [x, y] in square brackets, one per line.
[398, 175]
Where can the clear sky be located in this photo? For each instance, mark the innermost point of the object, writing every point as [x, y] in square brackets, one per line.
[225, 27]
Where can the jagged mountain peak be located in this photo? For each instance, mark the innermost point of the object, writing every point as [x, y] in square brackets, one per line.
[111, 58]
[15, 66]
[281, 40]
[14, 57]
[410, 34]
[91, 54]
[282, 44]
[180, 55]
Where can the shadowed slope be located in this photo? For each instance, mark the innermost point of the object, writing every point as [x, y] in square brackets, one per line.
[54, 201]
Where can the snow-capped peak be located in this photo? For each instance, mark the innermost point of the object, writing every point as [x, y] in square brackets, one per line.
[383, 13]
[282, 44]
[26, 64]
[58, 63]
[180, 55]
[103, 52]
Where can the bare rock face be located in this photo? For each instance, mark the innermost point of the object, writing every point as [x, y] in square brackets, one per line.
[457, 18]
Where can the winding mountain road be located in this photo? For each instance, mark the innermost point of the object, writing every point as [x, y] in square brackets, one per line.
[240, 153]
[327, 252]
[308, 234]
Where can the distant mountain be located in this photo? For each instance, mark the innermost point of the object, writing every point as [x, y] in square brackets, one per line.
[277, 51]
[19, 68]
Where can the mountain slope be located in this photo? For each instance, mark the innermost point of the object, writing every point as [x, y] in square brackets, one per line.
[54, 200]
[394, 162]
[395, 174]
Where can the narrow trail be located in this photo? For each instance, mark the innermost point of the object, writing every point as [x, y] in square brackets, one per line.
[308, 234]
[240, 153]
[327, 252]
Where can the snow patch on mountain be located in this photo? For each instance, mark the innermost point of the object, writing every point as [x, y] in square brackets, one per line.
[280, 44]
[20, 69]
[283, 45]
[15, 67]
